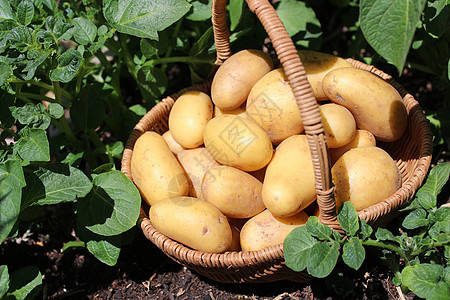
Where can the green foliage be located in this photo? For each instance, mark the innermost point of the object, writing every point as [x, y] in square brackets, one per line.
[316, 249]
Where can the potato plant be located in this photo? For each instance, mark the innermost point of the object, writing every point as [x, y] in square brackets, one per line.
[76, 76]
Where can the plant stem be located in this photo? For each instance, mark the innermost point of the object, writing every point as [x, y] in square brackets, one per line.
[127, 57]
[65, 93]
[178, 59]
[58, 92]
[40, 98]
[385, 246]
[62, 125]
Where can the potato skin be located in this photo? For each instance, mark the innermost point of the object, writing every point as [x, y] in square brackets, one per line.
[173, 145]
[317, 65]
[289, 183]
[363, 138]
[264, 230]
[155, 170]
[271, 104]
[375, 104]
[235, 193]
[188, 118]
[240, 111]
[236, 76]
[365, 176]
[192, 222]
[196, 162]
[238, 142]
[338, 124]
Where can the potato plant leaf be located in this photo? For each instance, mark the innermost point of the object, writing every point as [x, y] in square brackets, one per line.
[25, 12]
[4, 280]
[201, 11]
[415, 219]
[348, 218]
[143, 18]
[33, 145]
[236, 10]
[425, 280]
[112, 206]
[12, 181]
[85, 31]
[353, 253]
[389, 26]
[25, 283]
[322, 259]
[105, 248]
[21, 38]
[68, 64]
[317, 229]
[5, 72]
[55, 183]
[297, 247]
[6, 12]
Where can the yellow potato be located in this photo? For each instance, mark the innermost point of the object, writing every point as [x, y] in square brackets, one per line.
[264, 230]
[240, 111]
[236, 76]
[271, 104]
[289, 183]
[236, 239]
[374, 103]
[234, 192]
[363, 138]
[365, 176]
[192, 222]
[188, 118]
[317, 65]
[173, 145]
[195, 163]
[238, 142]
[155, 170]
[338, 124]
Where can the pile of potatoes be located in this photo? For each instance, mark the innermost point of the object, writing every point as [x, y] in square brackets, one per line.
[234, 172]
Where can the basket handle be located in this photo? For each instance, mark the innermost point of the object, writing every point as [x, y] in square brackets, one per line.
[309, 110]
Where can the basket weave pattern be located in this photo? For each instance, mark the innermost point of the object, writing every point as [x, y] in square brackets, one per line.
[412, 154]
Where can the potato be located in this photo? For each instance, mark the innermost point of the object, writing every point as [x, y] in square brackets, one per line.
[173, 145]
[195, 163]
[192, 222]
[271, 104]
[240, 111]
[155, 170]
[238, 142]
[374, 103]
[236, 76]
[234, 192]
[264, 230]
[338, 124]
[235, 240]
[188, 118]
[289, 183]
[365, 176]
[363, 138]
[317, 65]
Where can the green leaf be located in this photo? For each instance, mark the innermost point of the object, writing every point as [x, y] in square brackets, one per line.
[36, 58]
[437, 178]
[152, 82]
[105, 248]
[353, 253]
[73, 159]
[5, 72]
[5, 27]
[25, 283]
[143, 18]
[348, 218]
[68, 65]
[415, 219]
[85, 31]
[88, 110]
[423, 279]
[149, 48]
[389, 26]
[55, 110]
[73, 244]
[366, 230]
[55, 183]
[12, 181]
[317, 229]
[201, 10]
[33, 145]
[4, 280]
[115, 149]
[384, 235]
[25, 12]
[6, 12]
[297, 247]
[58, 30]
[236, 9]
[204, 43]
[21, 38]
[436, 18]
[112, 206]
[322, 259]
[33, 115]
[425, 200]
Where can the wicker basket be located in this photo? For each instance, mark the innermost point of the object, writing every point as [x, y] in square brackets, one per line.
[412, 154]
